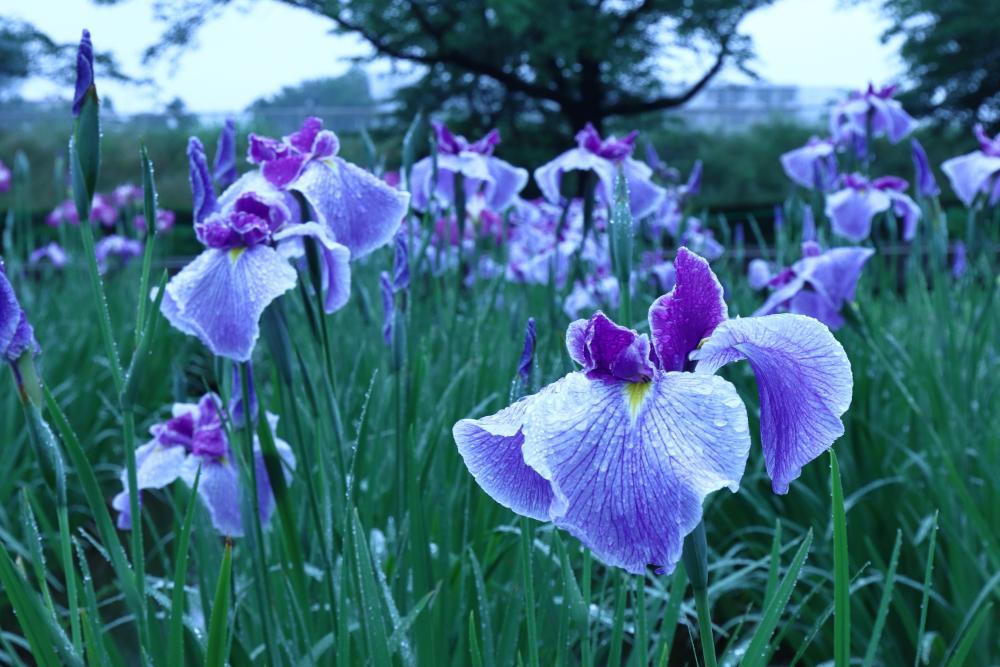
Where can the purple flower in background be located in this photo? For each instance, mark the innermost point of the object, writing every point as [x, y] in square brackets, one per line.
[598, 290]
[126, 194]
[526, 362]
[5, 178]
[852, 208]
[165, 221]
[977, 171]
[250, 233]
[871, 109]
[51, 253]
[358, 210]
[958, 260]
[401, 261]
[194, 438]
[779, 216]
[818, 285]
[657, 268]
[16, 335]
[499, 181]
[693, 185]
[224, 166]
[759, 274]
[64, 213]
[84, 73]
[119, 247]
[103, 210]
[812, 166]
[701, 240]
[926, 184]
[623, 452]
[603, 158]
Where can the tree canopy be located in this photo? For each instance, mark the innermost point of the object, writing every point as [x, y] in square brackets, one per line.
[951, 51]
[570, 61]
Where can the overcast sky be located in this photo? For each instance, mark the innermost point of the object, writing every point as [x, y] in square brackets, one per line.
[258, 46]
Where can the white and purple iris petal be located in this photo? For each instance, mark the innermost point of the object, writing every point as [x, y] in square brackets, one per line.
[872, 110]
[358, 210]
[623, 453]
[977, 171]
[16, 334]
[812, 166]
[498, 181]
[819, 284]
[192, 439]
[603, 158]
[852, 208]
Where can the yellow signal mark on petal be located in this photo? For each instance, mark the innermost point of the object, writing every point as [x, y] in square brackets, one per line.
[636, 393]
[234, 254]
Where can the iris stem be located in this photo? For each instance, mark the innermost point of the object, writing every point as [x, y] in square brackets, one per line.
[695, 558]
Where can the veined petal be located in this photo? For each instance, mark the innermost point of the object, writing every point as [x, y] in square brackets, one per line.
[804, 380]
[361, 211]
[220, 296]
[491, 449]
[336, 262]
[219, 489]
[265, 492]
[630, 464]
[549, 175]
[970, 173]
[851, 211]
[507, 182]
[680, 319]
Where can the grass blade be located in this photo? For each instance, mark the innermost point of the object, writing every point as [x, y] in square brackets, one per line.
[883, 607]
[841, 571]
[969, 637]
[925, 597]
[215, 653]
[756, 652]
[175, 638]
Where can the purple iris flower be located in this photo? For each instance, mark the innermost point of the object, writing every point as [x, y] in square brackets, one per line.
[759, 273]
[873, 109]
[84, 72]
[524, 365]
[693, 185]
[194, 438]
[224, 166]
[5, 178]
[658, 270]
[358, 210]
[165, 221]
[498, 181]
[102, 210]
[16, 335]
[401, 261]
[623, 452]
[977, 171]
[540, 247]
[818, 285]
[779, 216]
[812, 166]
[250, 233]
[701, 240]
[64, 213]
[115, 246]
[126, 194]
[51, 253]
[924, 179]
[598, 290]
[852, 208]
[603, 157]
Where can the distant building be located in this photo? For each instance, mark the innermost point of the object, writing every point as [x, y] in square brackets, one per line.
[733, 107]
